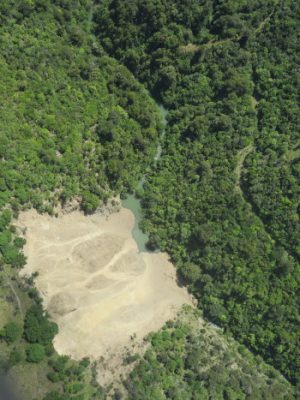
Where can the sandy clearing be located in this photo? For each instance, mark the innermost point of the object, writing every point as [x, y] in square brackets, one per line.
[96, 285]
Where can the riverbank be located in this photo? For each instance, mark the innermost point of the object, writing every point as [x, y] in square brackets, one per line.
[132, 202]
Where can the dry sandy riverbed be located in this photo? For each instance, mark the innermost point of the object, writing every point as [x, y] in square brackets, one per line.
[96, 285]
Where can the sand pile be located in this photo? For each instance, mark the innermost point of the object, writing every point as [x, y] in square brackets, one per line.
[95, 284]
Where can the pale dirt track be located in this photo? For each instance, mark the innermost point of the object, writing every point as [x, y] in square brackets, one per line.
[95, 284]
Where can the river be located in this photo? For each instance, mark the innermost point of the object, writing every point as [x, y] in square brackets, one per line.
[133, 203]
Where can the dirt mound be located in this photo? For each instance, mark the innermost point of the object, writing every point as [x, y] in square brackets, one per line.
[99, 282]
[62, 303]
[107, 247]
[131, 263]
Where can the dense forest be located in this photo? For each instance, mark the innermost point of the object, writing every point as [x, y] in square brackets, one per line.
[77, 121]
[224, 198]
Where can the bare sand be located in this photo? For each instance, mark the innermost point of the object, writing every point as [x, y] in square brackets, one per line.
[96, 285]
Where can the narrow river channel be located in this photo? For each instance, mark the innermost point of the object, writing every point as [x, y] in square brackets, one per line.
[133, 203]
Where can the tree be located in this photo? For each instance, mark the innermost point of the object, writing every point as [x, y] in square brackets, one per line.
[35, 353]
[19, 242]
[37, 327]
[191, 272]
[90, 202]
[85, 362]
[11, 332]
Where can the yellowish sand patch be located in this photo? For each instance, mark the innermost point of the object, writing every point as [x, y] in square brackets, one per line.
[96, 285]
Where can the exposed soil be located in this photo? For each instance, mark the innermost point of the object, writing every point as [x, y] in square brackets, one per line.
[96, 285]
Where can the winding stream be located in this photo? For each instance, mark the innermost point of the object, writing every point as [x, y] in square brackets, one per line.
[133, 203]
